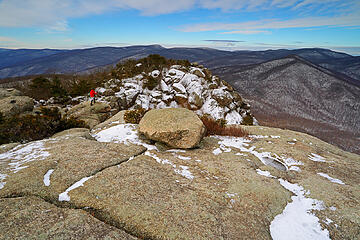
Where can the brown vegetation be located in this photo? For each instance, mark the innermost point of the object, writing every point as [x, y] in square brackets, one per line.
[219, 127]
[24, 128]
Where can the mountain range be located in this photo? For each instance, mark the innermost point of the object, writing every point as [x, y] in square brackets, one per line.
[22, 62]
[312, 90]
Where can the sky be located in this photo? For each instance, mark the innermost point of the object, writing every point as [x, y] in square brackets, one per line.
[221, 24]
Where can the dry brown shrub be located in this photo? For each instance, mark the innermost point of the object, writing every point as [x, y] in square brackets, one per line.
[214, 127]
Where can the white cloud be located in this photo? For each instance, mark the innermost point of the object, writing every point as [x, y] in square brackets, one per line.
[262, 26]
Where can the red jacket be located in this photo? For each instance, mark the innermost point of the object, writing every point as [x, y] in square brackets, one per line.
[92, 93]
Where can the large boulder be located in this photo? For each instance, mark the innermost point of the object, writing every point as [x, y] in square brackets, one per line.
[91, 115]
[13, 105]
[176, 127]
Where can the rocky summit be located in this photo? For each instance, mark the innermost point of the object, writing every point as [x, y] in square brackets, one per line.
[192, 87]
[113, 183]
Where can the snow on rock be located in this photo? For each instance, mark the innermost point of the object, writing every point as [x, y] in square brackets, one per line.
[65, 197]
[264, 173]
[123, 133]
[155, 73]
[183, 171]
[334, 180]
[23, 154]
[212, 108]
[47, 177]
[233, 117]
[297, 221]
[100, 90]
[316, 158]
[179, 87]
[2, 180]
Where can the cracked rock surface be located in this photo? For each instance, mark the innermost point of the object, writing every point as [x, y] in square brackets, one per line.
[226, 188]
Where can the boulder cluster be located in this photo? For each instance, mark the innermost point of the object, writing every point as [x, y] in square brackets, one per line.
[191, 87]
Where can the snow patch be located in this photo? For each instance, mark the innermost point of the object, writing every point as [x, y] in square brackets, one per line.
[316, 158]
[297, 221]
[123, 133]
[2, 178]
[264, 173]
[334, 180]
[23, 154]
[183, 171]
[47, 177]
[65, 197]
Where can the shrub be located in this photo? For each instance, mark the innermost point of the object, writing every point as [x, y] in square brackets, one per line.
[134, 116]
[248, 120]
[35, 127]
[151, 82]
[219, 127]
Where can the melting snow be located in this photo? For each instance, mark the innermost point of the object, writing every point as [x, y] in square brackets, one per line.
[264, 173]
[183, 171]
[297, 222]
[274, 136]
[47, 177]
[217, 151]
[23, 154]
[123, 133]
[182, 157]
[334, 180]
[65, 197]
[316, 158]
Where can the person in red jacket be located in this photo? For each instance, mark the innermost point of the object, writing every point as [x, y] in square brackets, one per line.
[92, 96]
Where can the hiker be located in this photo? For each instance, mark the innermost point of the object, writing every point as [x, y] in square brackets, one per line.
[92, 96]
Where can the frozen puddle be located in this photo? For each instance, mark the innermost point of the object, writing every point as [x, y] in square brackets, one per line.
[65, 197]
[297, 222]
[47, 177]
[334, 180]
[241, 144]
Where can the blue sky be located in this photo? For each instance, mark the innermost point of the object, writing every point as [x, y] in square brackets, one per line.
[222, 24]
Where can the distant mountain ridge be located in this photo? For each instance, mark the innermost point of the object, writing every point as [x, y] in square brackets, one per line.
[293, 93]
[24, 62]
